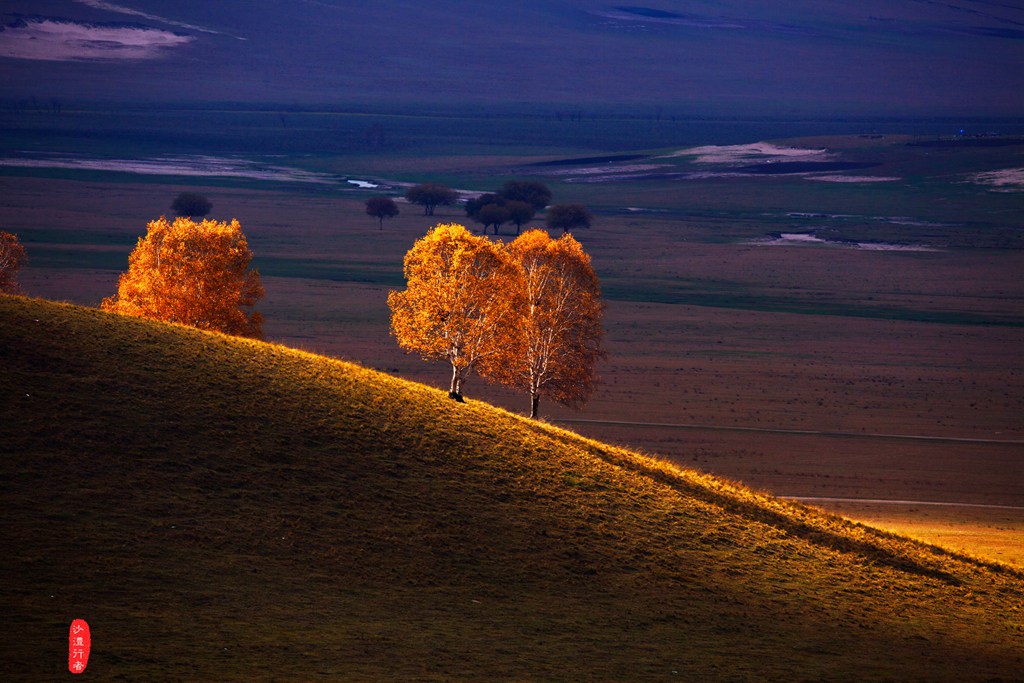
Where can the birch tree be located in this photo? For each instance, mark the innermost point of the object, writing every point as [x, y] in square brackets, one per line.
[459, 303]
[558, 328]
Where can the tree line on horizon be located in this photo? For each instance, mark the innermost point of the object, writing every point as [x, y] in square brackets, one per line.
[517, 202]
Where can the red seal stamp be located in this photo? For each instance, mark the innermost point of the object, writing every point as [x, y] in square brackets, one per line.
[79, 644]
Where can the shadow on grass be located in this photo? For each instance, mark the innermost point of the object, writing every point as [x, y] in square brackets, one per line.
[752, 506]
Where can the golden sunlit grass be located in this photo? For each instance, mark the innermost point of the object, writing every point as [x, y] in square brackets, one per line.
[224, 509]
[990, 533]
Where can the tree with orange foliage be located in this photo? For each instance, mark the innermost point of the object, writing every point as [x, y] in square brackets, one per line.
[558, 333]
[460, 301]
[12, 258]
[192, 273]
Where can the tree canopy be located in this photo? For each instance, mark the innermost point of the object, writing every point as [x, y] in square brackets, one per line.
[487, 209]
[519, 212]
[431, 195]
[492, 215]
[527, 315]
[12, 258]
[381, 208]
[558, 331]
[459, 302]
[568, 217]
[534, 193]
[474, 205]
[191, 204]
[192, 273]
[518, 201]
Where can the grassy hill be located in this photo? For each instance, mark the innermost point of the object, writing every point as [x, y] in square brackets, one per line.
[224, 509]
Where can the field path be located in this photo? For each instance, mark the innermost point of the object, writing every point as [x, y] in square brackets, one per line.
[881, 501]
[807, 432]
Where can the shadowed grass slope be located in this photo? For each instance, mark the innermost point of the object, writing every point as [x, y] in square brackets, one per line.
[221, 508]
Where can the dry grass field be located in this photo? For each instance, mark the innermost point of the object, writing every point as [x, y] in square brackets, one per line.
[224, 509]
[709, 335]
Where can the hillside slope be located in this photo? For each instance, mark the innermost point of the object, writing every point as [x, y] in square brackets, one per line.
[224, 509]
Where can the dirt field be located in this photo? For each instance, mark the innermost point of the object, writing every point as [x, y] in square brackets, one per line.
[855, 346]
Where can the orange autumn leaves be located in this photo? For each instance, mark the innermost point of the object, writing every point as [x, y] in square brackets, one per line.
[12, 258]
[527, 315]
[192, 273]
[457, 306]
[559, 329]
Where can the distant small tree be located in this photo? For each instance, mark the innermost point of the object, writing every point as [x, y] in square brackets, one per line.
[192, 273]
[431, 195]
[474, 205]
[493, 214]
[568, 217]
[532, 192]
[12, 258]
[191, 204]
[520, 212]
[489, 209]
[381, 208]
